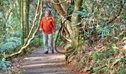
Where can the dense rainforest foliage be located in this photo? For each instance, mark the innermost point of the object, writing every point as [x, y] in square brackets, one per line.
[95, 31]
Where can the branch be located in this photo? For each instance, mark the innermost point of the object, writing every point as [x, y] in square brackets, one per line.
[59, 8]
[52, 6]
[69, 40]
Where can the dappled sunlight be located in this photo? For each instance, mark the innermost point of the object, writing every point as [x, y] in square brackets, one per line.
[45, 64]
[51, 56]
[34, 65]
[38, 63]
[41, 65]
[34, 58]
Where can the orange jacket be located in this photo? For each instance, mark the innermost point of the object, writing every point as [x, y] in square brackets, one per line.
[48, 25]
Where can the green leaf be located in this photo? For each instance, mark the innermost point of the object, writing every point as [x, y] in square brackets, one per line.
[4, 64]
[124, 38]
[116, 38]
[101, 62]
[97, 55]
[79, 13]
[87, 68]
[79, 63]
[5, 2]
[97, 69]
[121, 71]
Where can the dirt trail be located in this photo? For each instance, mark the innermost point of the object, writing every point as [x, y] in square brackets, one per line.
[40, 63]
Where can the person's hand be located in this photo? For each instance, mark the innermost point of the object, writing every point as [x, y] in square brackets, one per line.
[53, 32]
[40, 29]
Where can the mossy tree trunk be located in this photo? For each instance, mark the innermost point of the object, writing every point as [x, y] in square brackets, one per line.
[22, 22]
[24, 19]
[75, 20]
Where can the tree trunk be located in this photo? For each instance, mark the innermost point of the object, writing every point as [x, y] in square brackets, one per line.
[22, 23]
[74, 26]
[59, 8]
[26, 17]
[75, 20]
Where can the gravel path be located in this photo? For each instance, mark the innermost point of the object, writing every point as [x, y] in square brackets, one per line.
[40, 63]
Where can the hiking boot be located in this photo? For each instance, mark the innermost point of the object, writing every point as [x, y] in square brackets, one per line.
[52, 51]
[46, 52]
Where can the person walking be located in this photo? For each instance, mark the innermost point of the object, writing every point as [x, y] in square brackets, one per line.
[48, 28]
